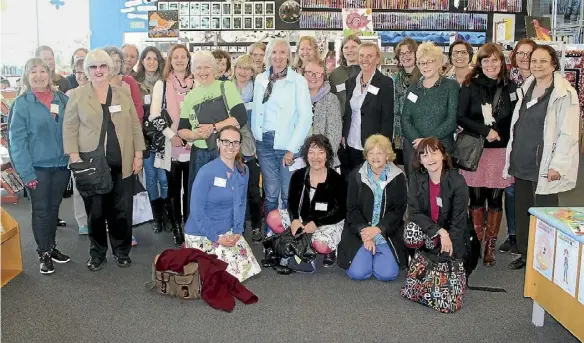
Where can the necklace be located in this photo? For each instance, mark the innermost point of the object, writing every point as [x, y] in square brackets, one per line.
[363, 83]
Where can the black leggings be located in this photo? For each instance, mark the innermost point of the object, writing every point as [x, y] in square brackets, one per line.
[493, 197]
[178, 182]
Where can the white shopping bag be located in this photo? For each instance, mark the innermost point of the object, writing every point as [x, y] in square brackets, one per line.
[142, 211]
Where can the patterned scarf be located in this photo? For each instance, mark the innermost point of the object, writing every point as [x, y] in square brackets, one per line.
[377, 197]
[402, 81]
[273, 78]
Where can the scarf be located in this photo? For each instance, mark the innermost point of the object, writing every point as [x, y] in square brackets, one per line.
[377, 197]
[324, 90]
[175, 93]
[488, 88]
[149, 81]
[273, 78]
[403, 80]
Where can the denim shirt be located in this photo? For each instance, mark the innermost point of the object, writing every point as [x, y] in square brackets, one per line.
[291, 98]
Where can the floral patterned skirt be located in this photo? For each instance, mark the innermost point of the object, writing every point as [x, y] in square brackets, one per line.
[490, 171]
[327, 234]
[240, 260]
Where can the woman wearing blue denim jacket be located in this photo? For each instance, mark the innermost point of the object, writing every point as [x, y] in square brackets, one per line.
[36, 150]
[281, 120]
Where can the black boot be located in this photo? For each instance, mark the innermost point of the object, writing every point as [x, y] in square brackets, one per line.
[270, 259]
[177, 230]
[165, 216]
[158, 224]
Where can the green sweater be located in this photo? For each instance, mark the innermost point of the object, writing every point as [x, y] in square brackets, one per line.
[431, 112]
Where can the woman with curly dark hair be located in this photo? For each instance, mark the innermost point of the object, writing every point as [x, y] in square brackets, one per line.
[316, 202]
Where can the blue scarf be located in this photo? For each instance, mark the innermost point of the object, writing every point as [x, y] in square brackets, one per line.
[377, 197]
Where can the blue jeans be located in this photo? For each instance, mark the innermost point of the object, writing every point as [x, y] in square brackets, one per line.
[382, 265]
[199, 157]
[510, 209]
[275, 176]
[155, 177]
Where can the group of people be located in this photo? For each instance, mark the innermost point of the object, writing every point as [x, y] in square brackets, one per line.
[324, 147]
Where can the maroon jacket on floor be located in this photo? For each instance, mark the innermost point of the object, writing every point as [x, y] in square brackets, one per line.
[218, 287]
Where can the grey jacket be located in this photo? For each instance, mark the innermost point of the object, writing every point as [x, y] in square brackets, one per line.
[328, 121]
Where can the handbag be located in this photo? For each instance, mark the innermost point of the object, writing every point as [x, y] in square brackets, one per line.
[469, 148]
[92, 174]
[152, 129]
[248, 147]
[437, 284]
[141, 209]
[186, 286]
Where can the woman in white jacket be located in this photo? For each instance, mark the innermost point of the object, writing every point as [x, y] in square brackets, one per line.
[542, 153]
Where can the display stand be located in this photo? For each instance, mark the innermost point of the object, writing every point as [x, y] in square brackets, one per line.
[11, 253]
[548, 233]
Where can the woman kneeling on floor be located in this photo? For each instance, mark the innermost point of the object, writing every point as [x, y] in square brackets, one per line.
[217, 214]
[316, 202]
[376, 203]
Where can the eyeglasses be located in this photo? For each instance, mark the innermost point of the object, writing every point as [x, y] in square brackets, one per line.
[227, 143]
[101, 66]
[427, 63]
[256, 55]
[523, 54]
[460, 53]
[313, 74]
[406, 54]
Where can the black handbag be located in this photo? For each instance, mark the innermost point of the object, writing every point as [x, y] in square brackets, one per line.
[92, 174]
[152, 129]
[468, 148]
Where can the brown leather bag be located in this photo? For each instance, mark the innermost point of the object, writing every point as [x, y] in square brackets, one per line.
[185, 286]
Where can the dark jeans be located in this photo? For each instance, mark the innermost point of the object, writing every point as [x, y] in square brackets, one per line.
[510, 209]
[525, 198]
[178, 180]
[254, 200]
[115, 208]
[199, 157]
[46, 199]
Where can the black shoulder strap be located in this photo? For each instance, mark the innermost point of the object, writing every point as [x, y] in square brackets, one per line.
[496, 100]
[163, 94]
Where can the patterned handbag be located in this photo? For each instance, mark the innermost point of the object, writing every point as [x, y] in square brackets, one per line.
[438, 285]
[415, 238]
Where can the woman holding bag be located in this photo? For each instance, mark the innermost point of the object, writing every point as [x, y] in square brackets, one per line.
[485, 107]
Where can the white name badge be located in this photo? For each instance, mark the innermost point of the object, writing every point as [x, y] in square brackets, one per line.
[321, 206]
[248, 106]
[147, 99]
[115, 108]
[341, 87]
[531, 103]
[439, 201]
[513, 96]
[219, 182]
[373, 90]
[55, 108]
[412, 97]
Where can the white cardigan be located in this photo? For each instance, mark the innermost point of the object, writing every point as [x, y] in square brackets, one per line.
[560, 139]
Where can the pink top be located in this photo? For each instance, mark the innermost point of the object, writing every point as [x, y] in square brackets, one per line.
[434, 195]
[136, 95]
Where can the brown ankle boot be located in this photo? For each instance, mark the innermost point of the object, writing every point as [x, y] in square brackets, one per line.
[491, 233]
[478, 221]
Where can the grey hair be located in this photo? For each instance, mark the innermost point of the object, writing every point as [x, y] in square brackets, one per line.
[98, 56]
[128, 45]
[203, 54]
[270, 49]
[112, 50]
[28, 67]
[78, 63]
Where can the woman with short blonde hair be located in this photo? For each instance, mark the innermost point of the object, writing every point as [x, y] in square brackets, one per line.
[306, 51]
[380, 142]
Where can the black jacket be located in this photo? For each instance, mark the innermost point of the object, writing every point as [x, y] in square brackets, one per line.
[482, 90]
[330, 194]
[376, 111]
[360, 212]
[453, 216]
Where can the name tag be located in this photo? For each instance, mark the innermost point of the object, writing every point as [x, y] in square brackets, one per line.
[321, 206]
[341, 87]
[248, 106]
[219, 182]
[373, 90]
[265, 83]
[531, 103]
[513, 96]
[55, 108]
[439, 201]
[115, 108]
[147, 99]
[412, 97]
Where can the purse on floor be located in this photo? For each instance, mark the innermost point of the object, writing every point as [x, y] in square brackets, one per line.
[469, 148]
[437, 284]
[186, 286]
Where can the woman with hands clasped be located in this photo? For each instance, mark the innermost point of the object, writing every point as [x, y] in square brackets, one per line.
[217, 217]
[371, 242]
[438, 199]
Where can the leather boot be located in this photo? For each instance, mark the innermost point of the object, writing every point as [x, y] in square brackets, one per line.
[177, 231]
[491, 233]
[165, 216]
[478, 221]
[158, 224]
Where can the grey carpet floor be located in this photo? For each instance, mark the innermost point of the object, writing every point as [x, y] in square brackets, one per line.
[75, 305]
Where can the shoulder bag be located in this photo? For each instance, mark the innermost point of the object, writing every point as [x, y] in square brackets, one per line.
[92, 174]
[155, 139]
[469, 148]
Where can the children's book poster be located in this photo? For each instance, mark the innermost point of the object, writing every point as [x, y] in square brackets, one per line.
[543, 253]
[566, 263]
[357, 21]
[581, 282]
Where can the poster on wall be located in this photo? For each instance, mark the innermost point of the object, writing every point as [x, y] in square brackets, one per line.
[566, 263]
[357, 21]
[538, 28]
[503, 27]
[163, 24]
[543, 249]
[581, 282]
